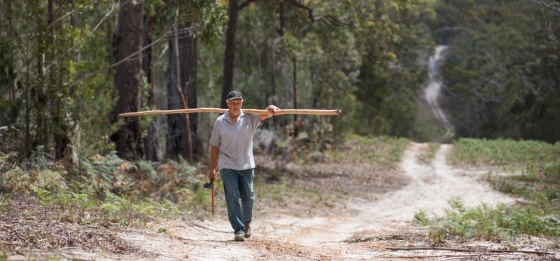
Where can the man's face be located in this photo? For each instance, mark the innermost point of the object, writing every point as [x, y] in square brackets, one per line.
[235, 105]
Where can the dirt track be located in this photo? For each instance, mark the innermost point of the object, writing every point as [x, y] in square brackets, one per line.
[364, 229]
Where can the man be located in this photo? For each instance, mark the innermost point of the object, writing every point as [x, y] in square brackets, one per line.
[232, 149]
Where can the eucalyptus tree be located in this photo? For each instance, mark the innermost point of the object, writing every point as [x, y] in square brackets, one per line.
[127, 46]
[502, 72]
[48, 56]
[154, 10]
[192, 22]
[57, 79]
[360, 56]
[234, 9]
[184, 23]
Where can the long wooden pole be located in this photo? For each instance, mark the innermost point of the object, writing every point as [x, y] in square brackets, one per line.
[280, 112]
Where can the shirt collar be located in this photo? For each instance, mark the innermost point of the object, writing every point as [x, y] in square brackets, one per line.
[226, 116]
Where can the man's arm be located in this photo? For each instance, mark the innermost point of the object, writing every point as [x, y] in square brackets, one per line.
[214, 154]
[272, 109]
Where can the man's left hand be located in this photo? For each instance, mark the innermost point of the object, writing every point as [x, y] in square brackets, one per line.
[272, 109]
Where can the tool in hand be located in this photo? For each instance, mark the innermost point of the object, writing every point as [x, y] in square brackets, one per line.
[211, 186]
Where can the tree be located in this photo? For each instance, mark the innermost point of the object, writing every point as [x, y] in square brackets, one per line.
[198, 21]
[151, 142]
[331, 41]
[501, 76]
[179, 139]
[127, 41]
[233, 12]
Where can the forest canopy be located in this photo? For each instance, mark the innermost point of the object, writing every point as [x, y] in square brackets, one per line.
[68, 68]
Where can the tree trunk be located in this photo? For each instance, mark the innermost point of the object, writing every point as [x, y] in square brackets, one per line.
[40, 90]
[231, 30]
[177, 139]
[188, 58]
[273, 75]
[295, 86]
[127, 80]
[175, 142]
[8, 14]
[296, 123]
[60, 129]
[151, 142]
[178, 85]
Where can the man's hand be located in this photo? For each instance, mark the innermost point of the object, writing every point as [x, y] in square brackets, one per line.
[214, 154]
[212, 175]
[271, 108]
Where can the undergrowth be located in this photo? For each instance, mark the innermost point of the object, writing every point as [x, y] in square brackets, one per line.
[105, 189]
[532, 172]
[384, 150]
[427, 155]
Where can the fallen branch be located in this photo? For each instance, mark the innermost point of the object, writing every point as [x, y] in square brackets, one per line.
[10, 243]
[420, 257]
[280, 112]
[468, 250]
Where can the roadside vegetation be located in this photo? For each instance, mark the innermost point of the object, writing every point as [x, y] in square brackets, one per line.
[85, 209]
[428, 154]
[526, 169]
[42, 206]
[321, 177]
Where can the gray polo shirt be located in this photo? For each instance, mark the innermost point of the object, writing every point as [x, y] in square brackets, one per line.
[235, 141]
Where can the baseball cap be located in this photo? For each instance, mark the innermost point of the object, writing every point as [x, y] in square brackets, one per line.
[234, 95]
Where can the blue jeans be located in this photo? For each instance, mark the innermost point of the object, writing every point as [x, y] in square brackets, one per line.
[239, 184]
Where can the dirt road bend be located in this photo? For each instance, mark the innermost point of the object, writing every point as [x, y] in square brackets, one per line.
[364, 230]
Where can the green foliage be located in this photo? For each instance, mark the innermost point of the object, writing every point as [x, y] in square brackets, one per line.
[17, 179]
[206, 17]
[4, 205]
[427, 155]
[284, 194]
[8, 105]
[499, 223]
[391, 80]
[500, 77]
[504, 152]
[551, 172]
[388, 150]
[110, 190]
[102, 172]
[536, 166]
[421, 217]
[363, 62]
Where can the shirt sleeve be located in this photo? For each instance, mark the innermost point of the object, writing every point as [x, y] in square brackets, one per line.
[255, 120]
[215, 137]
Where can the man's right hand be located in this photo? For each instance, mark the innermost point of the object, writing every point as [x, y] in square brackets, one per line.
[214, 154]
[212, 175]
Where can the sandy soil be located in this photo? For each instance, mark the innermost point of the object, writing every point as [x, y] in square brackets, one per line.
[363, 229]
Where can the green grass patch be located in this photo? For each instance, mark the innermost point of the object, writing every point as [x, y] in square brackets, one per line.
[503, 153]
[500, 223]
[533, 169]
[427, 155]
[297, 200]
[383, 150]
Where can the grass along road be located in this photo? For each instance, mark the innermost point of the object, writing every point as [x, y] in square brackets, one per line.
[362, 228]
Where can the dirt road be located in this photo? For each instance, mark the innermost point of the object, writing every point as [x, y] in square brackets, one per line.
[364, 230]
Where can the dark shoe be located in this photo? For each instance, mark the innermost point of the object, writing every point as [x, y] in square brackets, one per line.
[239, 237]
[248, 230]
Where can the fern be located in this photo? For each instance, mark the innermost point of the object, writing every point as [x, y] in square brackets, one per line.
[4, 202]
[45, 197]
